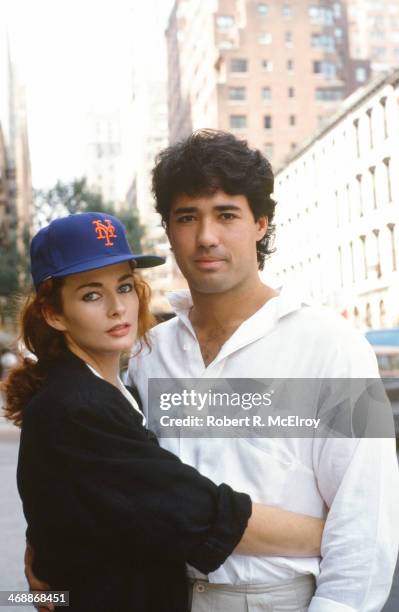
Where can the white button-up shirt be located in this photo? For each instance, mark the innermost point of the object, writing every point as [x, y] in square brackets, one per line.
[352, 482]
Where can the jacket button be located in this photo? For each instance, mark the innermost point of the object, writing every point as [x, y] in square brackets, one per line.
[200, 588]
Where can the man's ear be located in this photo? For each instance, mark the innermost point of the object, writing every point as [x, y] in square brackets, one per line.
[55, 320]
[262, 224]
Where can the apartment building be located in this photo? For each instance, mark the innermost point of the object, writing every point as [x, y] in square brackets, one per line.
[374, 34]
[337, 220]
[270, 72]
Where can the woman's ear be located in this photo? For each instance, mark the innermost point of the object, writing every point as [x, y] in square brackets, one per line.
[52, 318]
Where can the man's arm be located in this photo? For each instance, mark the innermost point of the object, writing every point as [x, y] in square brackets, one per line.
[272, 531]
[359, 481]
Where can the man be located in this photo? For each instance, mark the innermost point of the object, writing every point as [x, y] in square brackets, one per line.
[213, 193]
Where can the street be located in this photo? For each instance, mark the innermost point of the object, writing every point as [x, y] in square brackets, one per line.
[12, 525]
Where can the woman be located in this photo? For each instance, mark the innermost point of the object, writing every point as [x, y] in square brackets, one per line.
[111, 516]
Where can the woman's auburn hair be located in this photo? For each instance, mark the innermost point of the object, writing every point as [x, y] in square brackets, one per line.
[47, 344]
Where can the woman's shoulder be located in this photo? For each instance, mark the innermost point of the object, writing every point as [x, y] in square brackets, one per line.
[70, 389]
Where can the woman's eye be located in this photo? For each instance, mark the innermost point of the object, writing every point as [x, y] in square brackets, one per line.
[126, 288]
[91, 297]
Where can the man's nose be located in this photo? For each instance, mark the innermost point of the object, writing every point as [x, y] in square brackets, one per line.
[207, 235]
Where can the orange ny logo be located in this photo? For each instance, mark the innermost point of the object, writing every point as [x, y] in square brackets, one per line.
[105, 231]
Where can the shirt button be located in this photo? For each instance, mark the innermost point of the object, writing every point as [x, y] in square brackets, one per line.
[200, 588]
[185, 347]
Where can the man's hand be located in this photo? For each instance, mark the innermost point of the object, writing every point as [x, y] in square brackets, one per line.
[34, 583]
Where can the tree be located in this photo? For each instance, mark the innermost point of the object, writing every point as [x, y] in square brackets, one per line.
[76, 197]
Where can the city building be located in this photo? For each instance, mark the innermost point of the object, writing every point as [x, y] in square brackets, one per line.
[103, 154]
[270, 72]
[374, 35]
[150, 110]
[337, 218]
[4, 198]
[15, 165]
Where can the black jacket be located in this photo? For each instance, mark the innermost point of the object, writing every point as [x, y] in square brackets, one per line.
[112, 517]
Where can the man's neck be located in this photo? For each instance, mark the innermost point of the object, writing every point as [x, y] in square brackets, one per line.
[228, 309]
[215, 317]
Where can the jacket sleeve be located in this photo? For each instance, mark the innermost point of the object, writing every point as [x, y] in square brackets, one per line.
[138, 495]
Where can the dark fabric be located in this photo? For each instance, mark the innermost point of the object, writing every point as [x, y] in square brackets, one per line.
[113, 517]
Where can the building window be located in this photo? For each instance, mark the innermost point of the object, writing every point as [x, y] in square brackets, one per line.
[391, 228]
[268, 150]
[369, 113]
[224, 22]
[387, 162]
[262, 8]
[266, 93]
[238, 122]
[352, 261]
[361, 74]
[267, 65]
[374, 193]
[237, 93]
[383, 102]
[265, 38]
[321, 14]
[341, 270]
[292, 120]
[290, 65]
[287, 10]
[288, 38]
[267, 122]
[237, 64]
[377, 264]
[356, 126]
[327, 69]
[330, 94]
[360, 193]
[364, 253]
[323, 41]
[378, 52]
[337, 10]
[291, 92]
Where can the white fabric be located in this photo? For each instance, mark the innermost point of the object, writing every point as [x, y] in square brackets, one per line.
[354, 481]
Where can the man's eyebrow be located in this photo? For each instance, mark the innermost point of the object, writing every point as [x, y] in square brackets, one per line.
[185, 210]
[192, 209]
[94, 284]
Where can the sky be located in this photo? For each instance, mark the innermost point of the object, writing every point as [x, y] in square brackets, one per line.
[76, 56]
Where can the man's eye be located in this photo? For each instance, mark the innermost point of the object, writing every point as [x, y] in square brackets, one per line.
[91, 297]
[126, 288]
[185, 219]
[228, 216]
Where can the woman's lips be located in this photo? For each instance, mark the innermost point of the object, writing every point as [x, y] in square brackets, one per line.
[119, 330]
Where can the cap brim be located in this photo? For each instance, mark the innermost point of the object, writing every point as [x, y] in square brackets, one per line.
[142, 261]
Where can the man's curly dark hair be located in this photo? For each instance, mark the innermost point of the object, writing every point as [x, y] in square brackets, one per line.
[210, 160]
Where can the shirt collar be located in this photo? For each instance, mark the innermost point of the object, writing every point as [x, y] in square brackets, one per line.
[256, 326]
[289, 300]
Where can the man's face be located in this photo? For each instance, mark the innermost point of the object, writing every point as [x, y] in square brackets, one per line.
[214, 241]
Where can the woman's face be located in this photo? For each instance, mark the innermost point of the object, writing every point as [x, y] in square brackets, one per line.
[100, 310]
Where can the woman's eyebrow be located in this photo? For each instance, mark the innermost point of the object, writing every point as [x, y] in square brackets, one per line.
[96, 284]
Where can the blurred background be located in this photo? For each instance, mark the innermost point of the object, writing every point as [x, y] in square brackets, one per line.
[91, 91]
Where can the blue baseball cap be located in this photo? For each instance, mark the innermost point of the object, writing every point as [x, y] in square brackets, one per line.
[81, 242]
